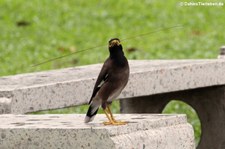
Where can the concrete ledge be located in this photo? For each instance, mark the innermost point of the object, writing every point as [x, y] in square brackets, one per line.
[73, 86]
[5, 105]
[69, 131]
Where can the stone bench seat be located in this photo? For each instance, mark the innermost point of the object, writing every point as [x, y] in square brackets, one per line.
[73, 86]
[68, 131]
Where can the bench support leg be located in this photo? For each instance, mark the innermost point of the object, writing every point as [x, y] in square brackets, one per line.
[209, 103]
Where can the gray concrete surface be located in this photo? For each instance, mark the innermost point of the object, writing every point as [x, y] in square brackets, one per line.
[73, 86]
[69, 131]
[5, 105]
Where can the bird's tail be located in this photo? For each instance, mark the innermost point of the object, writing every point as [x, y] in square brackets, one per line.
[92, 111]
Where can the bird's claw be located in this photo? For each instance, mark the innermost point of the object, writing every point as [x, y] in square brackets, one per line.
[115, 123]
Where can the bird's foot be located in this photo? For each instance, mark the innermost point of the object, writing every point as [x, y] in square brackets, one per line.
[116, 123]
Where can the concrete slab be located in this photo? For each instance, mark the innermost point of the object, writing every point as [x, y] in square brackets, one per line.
[5, 105]
[69, 131]
[73, 86]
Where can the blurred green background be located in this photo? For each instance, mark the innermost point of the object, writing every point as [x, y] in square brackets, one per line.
[37, 30]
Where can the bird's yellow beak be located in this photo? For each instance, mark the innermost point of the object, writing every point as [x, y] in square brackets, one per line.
[114, 43]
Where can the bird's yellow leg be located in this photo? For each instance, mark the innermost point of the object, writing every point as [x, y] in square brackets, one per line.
[110, 122]
[113, 119]
[110, 113]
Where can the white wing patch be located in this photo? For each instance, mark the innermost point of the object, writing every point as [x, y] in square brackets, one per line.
[103, 81]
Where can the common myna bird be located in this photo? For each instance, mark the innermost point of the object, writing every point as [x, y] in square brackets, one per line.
[112, 79]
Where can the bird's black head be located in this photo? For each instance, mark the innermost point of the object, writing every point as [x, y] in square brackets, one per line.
[114, 42]
[115, 46]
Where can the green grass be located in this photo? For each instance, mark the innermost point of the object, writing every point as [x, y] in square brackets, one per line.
[61, 27]
[58, 27]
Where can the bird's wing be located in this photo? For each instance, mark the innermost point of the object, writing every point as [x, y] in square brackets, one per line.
[102, 78]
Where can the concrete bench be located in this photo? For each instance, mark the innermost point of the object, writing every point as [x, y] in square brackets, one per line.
[152, 84]
[69, 132]
[73, 86]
